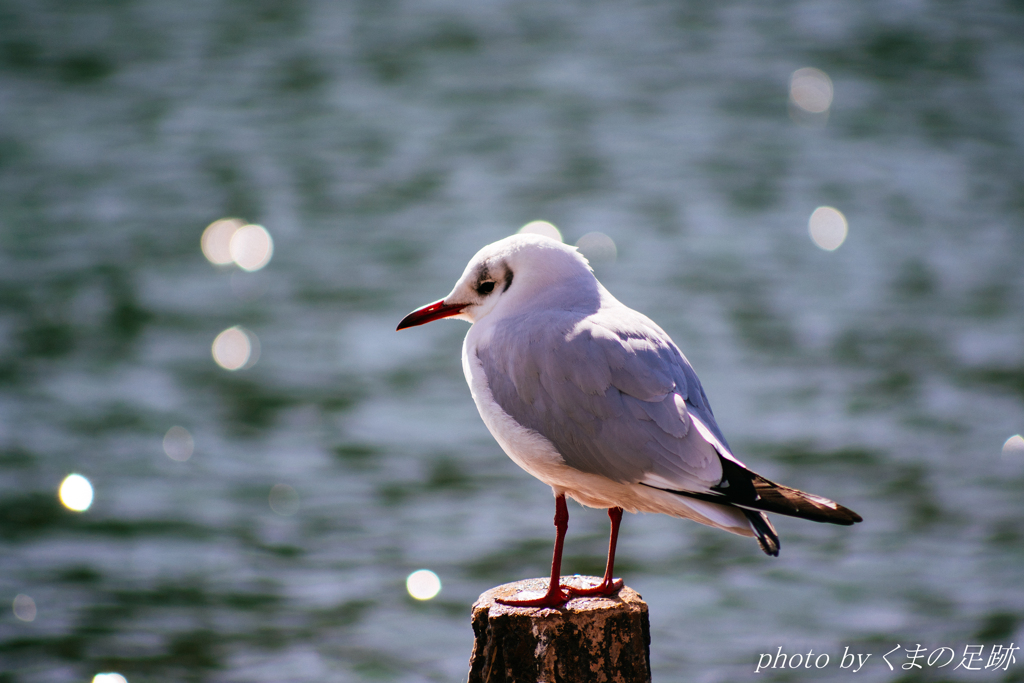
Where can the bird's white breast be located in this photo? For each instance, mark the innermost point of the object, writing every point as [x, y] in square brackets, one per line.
[527, 448]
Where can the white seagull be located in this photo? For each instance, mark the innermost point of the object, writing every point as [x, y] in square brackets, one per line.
[596, 401]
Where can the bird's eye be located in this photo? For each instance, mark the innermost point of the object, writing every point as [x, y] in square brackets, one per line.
[485, 288]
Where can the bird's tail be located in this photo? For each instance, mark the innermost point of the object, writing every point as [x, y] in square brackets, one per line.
[754, 495]
[772, 497]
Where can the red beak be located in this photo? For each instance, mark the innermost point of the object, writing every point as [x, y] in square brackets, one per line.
[429, 313]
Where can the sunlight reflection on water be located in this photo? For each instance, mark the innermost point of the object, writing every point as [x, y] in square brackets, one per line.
[811, 90]
[236, 348]
[542, 228]
[827, 227]
[76, 493]
[178, 444]
[284, 500]
[597, 247]
[423, 584]
[232, 240]
[810, 97]
[216, 240]
[1014, 447]
[109, 677]
[24, 608]
[251, 247]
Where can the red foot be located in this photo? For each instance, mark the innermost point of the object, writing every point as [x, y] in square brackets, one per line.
[553, 598]
[606, 587]
[564, 594]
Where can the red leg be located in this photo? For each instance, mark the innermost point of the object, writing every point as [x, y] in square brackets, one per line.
[555, 597]
[608, 585]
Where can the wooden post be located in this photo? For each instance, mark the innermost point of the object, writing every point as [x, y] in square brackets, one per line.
[589, 639]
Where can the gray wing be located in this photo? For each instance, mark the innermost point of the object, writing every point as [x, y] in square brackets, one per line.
[612, 393]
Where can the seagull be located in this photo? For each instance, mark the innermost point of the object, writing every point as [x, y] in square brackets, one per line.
[596, 401]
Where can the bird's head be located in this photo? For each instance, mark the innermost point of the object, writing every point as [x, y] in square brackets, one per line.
[511, 273]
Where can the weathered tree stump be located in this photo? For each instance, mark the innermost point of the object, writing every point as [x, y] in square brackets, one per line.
[589, 639]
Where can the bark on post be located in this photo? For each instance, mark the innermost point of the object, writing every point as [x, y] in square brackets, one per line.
[597, 639]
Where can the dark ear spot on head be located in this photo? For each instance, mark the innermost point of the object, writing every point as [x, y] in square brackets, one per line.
[508, 279]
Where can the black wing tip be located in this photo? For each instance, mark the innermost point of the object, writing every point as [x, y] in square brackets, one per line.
[850, 519]
[838, 515]
[783, 500]
[818, 509]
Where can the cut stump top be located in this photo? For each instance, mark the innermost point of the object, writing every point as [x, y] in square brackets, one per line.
[600, 639]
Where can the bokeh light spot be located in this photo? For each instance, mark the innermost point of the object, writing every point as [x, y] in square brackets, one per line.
[109, 677]
[597, 247]
[423, 584]
[216, 240]
[76, 493]
[810, 89]
[284, 500]
[24, 608]
[235, 348]
[1014, 446]
[542, 228]
[178, 444]
[827, 227]
[251, 247]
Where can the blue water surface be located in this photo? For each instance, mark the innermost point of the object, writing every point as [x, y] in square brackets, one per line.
[381, 143]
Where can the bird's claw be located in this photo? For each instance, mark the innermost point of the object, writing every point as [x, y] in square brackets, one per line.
[606, 587]
[553, 598]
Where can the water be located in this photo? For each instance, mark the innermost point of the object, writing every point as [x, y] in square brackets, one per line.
[381, 144]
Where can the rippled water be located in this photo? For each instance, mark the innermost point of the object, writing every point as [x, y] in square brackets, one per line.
[381, 144]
